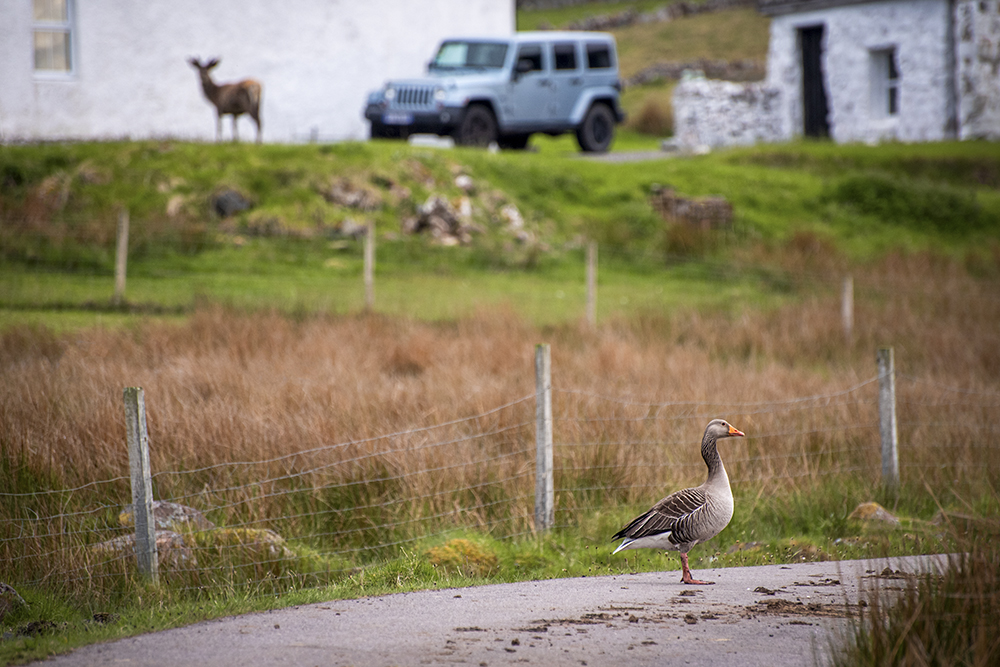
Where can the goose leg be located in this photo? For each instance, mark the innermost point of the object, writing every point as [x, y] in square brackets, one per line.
[686, 577]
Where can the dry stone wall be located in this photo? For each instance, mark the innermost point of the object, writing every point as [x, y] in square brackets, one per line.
[977, 29]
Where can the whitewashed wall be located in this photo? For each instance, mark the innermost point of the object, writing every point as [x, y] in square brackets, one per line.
[722, 113]
[316, 59]
[977, 27]
[919, 30]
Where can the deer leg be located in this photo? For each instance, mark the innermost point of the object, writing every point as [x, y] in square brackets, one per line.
[218, 127]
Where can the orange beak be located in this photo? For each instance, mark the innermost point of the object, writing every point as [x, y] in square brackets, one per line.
[735, 431]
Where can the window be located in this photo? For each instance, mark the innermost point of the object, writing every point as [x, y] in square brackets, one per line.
[52, 36]
[470, 54]
[885, 83]
[531, 53]
[565, 56]
[598, 56]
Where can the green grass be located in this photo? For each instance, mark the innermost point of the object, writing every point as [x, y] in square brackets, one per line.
[943, 196]
[764, 531]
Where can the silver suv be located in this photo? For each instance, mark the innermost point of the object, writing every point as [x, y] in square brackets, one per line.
[503, 90]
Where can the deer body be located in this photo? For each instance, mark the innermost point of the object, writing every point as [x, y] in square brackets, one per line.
[234, 99]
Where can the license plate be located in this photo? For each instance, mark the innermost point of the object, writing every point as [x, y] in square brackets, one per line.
[397, 118]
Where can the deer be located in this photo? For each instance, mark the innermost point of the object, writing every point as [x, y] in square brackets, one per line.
[234, 99]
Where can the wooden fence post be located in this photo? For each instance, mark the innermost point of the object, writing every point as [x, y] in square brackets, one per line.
[544, 486]
[847, 308]
[142, 483]
[592, 283]
[370, 266]
[887, 418]
[121, 257]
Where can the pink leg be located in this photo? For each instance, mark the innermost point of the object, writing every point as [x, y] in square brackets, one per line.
[686, 577]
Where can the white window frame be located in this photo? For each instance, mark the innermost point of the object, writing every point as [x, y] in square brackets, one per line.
[885, 88]
[64, 27]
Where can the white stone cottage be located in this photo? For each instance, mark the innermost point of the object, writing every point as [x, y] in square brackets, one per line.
[858, 71]
[105, 69]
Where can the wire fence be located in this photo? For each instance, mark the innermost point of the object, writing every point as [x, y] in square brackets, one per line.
[318, 515]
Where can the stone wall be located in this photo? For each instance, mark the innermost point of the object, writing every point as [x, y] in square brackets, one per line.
[710, 114]
[977, 51]
[949, 83]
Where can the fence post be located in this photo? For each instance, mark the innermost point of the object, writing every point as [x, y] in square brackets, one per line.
[370, 266]
[592, 283]
[544, 487]
[847, 308]
[121, 257]
[887, 417]
[142, 487]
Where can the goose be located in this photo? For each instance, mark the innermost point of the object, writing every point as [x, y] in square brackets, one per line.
[690, 516]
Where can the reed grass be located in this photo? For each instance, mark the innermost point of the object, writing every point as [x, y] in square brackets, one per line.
[357, 436]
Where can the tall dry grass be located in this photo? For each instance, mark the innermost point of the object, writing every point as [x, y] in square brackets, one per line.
[359, 432]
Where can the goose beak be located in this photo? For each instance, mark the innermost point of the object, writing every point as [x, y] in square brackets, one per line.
[735, 431]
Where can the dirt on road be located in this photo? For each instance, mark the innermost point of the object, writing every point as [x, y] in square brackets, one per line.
[772, 616]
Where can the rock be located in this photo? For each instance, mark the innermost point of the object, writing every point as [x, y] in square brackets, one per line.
[703, 213]
[170, 516]
[257, 541]
[171, 549]
[873, 513]
[228, 202]
[512, 217]
[441, 220]
[352, 229]
[465, 183]
[344, 193]
[10, 601]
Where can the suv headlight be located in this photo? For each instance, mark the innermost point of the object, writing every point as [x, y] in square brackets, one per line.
[439, 94]
[390, 94]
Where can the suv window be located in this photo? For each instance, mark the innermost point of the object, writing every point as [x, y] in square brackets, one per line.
[470, 54]
[533, 53]
[598, 56]
[565, 56]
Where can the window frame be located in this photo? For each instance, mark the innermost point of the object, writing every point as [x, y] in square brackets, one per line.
[559, 51]
[886, 80]
[65, 27]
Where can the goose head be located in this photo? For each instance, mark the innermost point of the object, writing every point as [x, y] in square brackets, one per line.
[720, 428]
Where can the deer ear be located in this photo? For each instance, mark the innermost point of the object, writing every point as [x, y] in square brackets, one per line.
[212, 63]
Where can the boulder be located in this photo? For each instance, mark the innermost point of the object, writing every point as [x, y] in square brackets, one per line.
[171, 549]
[228, 202]
[873, 513]
[170, 516]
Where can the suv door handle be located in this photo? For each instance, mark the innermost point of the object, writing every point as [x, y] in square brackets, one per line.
[575, 81]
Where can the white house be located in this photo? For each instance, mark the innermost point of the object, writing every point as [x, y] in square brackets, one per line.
[859, 71]
[104, 69]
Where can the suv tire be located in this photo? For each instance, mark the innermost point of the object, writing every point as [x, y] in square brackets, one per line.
[478, 128]
[597, 129]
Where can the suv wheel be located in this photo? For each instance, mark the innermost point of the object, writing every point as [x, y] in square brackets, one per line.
[597, 130]
[478, 128]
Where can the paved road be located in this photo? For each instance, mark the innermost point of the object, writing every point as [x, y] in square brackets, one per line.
[771, 616]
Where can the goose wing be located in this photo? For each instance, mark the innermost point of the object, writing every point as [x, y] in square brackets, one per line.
[670, 515]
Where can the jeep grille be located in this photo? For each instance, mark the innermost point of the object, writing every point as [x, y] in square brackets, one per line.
[414, 96]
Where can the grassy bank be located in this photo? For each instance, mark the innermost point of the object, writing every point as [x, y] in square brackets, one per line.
[276, 403]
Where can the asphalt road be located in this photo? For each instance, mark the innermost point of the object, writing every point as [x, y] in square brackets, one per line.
[773, 616]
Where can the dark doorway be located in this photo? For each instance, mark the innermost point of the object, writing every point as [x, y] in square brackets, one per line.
[814, 109]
